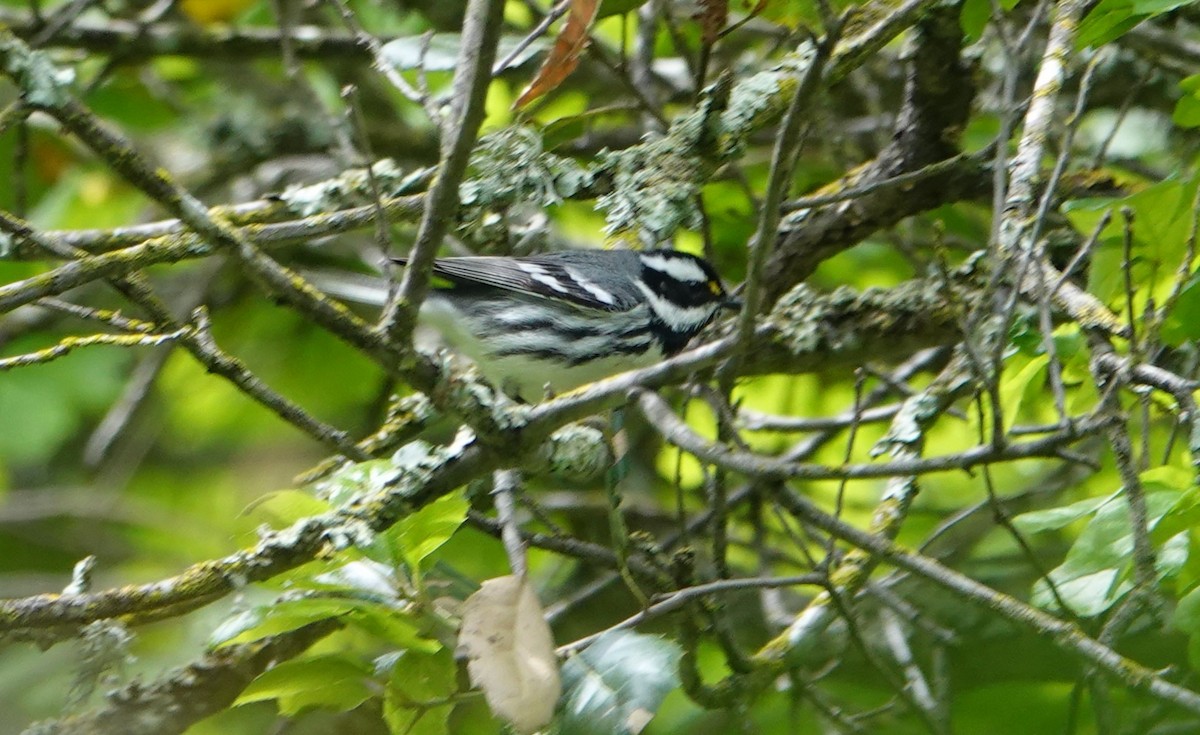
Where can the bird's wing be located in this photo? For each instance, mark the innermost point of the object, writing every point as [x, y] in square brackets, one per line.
[537, 276]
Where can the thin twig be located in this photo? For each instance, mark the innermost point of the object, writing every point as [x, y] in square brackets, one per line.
[480, 34]
[788, 141]
[670, 602]
[1065, 635]
[504, 485]
[659, 414]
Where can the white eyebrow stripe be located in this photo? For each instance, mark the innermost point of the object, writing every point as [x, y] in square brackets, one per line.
[591, 287]
[681, 269]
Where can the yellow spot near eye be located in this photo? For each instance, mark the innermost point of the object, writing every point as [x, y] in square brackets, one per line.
[715, 288]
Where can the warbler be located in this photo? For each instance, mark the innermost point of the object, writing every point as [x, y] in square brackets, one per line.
[562, 319]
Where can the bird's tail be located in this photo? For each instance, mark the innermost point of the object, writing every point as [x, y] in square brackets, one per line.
[357, 288]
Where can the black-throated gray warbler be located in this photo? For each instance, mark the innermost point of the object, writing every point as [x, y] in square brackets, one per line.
[567, 318]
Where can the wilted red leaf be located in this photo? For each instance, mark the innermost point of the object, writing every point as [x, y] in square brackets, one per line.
[564, 57]
[712, 16]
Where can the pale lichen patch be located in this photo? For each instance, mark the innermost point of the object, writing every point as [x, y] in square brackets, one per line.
[42, 84]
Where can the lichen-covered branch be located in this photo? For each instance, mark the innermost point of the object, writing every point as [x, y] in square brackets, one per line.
[139, 40]
[902, 472]
[183, 697]
[781, 343]
[937, 100]
[194, 337]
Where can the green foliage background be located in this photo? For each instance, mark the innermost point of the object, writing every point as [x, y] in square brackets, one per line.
[197, 468]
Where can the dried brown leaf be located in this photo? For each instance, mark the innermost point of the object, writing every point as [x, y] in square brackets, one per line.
[564, 57]
[712, 16]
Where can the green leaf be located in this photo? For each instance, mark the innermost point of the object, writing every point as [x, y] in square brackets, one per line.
[1187, 109]
[973, 18]
[617, 684]
[1053, 519]
[84, 198]
[566, 129]
[1187, 112]
[45, 419]
[1110, 19]
[418, 681]
[1093, 576]
[1014, 388]
[50, 401]
[1182, 325]
[332, 681]
[1185, 513]
[1194, 651]
[1187, 613]
[1086, 593]
[1163, 221]
[1172, 555]
[384, 621]
[975, 14]
[421, 533]
[285, 507]
[392, 625]
[1167, 477]
[361, 579]
[613, 7]
[279, 617]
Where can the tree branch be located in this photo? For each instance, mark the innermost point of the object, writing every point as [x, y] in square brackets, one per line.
[1063, 634]
[188, 694]
[473, 73]
[937, 101]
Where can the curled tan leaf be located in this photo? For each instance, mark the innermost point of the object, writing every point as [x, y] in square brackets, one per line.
[510, 653]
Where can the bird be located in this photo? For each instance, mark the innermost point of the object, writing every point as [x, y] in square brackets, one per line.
[552, 322]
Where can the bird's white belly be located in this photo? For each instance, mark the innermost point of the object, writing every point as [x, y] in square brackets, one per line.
[530, 378]
[526, 376]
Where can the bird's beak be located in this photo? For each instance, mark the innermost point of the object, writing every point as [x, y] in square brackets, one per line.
[733, 303]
